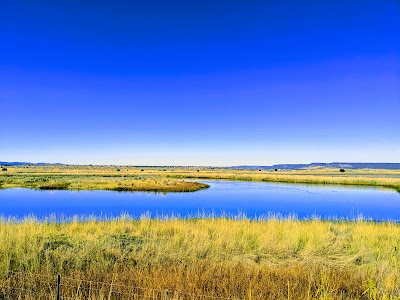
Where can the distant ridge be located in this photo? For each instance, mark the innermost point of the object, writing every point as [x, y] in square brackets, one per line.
[340, 165]
[15, 163]
[19, 163]
[344, 165]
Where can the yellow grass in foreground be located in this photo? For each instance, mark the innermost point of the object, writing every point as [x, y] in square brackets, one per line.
[241, 259]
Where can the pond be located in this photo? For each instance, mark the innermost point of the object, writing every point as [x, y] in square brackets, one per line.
[255, 199]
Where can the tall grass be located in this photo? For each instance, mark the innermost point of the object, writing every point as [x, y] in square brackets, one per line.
[221, 257]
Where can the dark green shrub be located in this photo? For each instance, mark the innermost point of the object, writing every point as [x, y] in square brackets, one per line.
[342, 170]
[54, 186]
[4, 169]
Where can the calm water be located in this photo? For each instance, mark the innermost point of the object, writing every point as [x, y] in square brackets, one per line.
[223, 197]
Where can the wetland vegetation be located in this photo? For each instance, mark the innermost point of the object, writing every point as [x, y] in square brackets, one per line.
[99, 182]
[167, 179]
[240, 259]
[216, 257]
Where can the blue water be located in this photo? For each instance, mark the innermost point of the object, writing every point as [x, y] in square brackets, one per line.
[223, 197]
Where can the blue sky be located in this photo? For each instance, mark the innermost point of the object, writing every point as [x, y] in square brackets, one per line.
[199, 82]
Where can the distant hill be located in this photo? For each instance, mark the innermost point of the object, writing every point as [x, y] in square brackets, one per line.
[337, 165]
[344, 165]
[19, 163]
[14, 163]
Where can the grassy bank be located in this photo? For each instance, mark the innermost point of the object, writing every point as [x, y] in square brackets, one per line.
[299, 177]
[242, 259]
[170, 179]
[96, 182]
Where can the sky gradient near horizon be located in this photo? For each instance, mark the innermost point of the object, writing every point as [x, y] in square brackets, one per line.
[200, 82]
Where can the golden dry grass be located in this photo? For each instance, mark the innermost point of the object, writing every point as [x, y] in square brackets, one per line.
[113, 183]
[241, 259]
[366, 177]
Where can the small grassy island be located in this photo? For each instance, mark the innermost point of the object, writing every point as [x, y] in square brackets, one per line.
[85, 178]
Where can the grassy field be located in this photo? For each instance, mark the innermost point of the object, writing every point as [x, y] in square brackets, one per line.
[240, 259]
[99, 182]
[382, 178]
[232, 259]
[171, 179]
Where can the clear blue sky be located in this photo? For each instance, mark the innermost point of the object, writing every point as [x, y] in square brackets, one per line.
[199, 82]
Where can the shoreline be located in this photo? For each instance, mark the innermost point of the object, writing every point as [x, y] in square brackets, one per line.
[98, 182]
[71, 181]
[298, 179]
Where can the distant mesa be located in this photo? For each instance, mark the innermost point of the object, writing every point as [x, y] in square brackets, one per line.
[15, 163]
[335, 165]
[20, 163]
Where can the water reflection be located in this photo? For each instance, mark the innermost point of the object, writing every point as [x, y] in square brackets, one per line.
[229, 198]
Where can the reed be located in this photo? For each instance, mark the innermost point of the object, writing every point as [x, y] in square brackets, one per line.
[220, 257]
